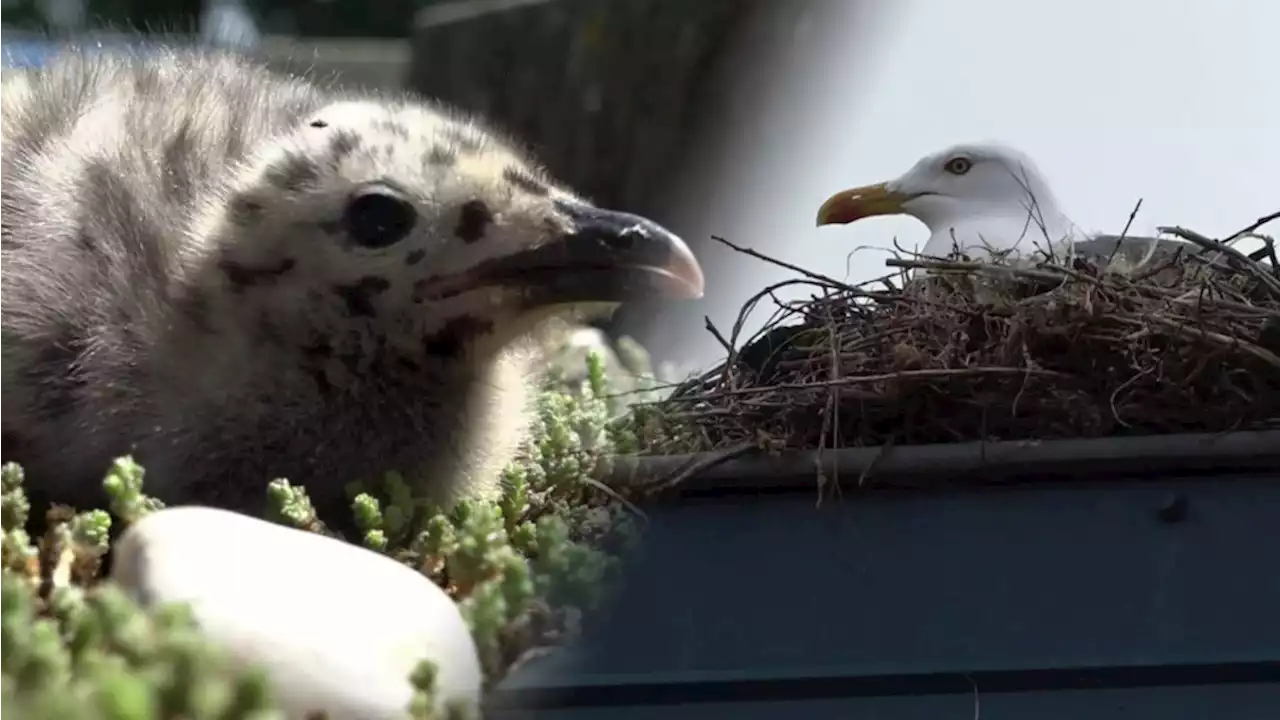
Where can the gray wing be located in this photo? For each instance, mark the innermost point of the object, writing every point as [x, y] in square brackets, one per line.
[1134, 247]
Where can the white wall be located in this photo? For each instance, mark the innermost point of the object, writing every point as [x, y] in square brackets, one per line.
[1177, 103]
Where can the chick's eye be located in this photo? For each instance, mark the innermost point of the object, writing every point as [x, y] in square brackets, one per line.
[378, 217]
[958, 165]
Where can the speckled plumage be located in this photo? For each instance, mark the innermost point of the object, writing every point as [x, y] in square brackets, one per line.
[181, 281]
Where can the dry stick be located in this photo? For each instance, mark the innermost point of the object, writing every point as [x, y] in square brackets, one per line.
[1269, 245]
[885, 448]
[1210, 303]
[1218, 338]
[830, 421]
[1265, 277]
[865, 379]
[1216, 261]
[1268, 249]
[731, 342]
[1029, 363]
[711, 328]
[1266, 252]
[697, 466]
[1115, 413]
[750, 305]
[1048, 273]
[1133, 215]
[1056, 275]
[794, 268]
[1253, 227]
[1037, 216]
[613, 494]
[1171, 262]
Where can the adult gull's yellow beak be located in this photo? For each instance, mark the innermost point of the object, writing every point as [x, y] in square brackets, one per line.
[847, 206]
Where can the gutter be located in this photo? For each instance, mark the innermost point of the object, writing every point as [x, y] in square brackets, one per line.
[950, 465]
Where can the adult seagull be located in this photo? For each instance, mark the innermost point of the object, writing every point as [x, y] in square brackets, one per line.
[985, 200]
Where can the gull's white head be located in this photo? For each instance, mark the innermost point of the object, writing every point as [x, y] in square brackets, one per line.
[981, 198]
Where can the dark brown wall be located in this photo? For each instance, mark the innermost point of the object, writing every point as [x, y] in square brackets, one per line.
[604, 91]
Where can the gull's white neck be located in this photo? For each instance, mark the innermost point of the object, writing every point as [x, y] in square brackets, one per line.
[981, 230]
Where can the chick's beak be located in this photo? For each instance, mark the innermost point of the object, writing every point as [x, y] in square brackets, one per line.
[847, 206]
[607, 257]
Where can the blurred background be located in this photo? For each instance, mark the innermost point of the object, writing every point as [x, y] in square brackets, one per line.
[738, 117]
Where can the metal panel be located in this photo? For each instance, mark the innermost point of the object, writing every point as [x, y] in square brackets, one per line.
[1028, 588]
[1220, 702]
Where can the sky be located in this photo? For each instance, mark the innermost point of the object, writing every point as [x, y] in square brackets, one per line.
[1115, 100]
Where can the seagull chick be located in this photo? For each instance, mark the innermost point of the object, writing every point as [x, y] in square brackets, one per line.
[238, 276]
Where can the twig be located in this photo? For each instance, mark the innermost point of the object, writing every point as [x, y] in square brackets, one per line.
[695, 467]
[1264, 355]
[613, 494]
[1253, 227]
[1265, 277]
[728, 348]
[1054, 276]
[1133, 215]
[865, 379]
[794, 268]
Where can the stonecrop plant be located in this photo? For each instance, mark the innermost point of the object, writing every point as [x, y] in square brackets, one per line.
[522, 569]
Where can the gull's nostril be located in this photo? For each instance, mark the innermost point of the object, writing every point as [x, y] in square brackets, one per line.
[627, 239]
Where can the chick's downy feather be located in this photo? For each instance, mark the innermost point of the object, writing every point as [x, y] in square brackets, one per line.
[239, 276]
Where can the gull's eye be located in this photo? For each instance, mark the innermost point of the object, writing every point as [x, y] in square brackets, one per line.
[958, 165]
[377, 216]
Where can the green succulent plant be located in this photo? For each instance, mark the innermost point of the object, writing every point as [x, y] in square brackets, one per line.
[521, 568]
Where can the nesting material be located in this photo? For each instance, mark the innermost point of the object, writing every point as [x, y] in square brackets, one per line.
[982, 351]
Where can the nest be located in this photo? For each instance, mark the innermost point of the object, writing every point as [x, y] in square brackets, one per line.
[964, 351]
